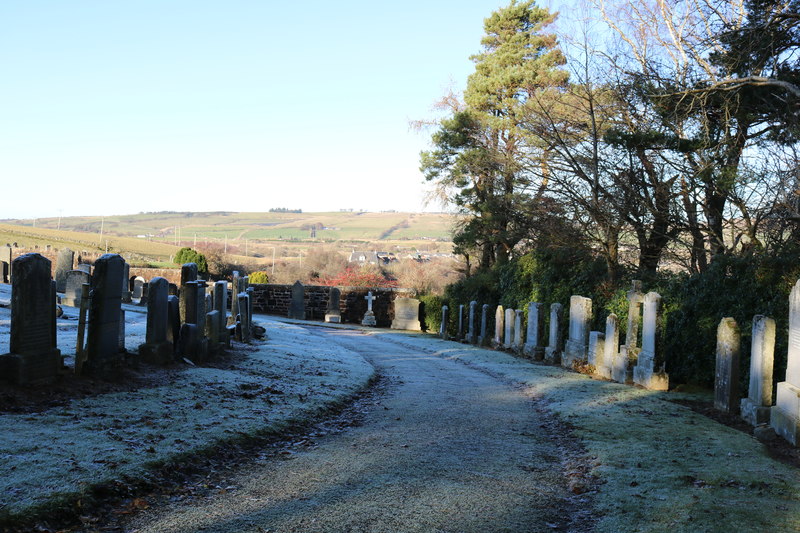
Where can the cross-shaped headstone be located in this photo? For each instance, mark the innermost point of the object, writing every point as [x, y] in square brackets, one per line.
[369, 297]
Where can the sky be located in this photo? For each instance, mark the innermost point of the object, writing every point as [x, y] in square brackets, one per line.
[124, 107]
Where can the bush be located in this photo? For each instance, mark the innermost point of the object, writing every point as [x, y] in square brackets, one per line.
[187, 255]
[259, 277]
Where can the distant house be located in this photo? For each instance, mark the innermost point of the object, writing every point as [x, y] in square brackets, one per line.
[363, 258]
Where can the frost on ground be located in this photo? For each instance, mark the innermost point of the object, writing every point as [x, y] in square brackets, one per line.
[62, 451]
[660, 466]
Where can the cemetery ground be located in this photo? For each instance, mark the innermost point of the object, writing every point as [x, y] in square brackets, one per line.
[452, 438]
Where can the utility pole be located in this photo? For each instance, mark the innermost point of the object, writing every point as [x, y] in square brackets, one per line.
[102, 226]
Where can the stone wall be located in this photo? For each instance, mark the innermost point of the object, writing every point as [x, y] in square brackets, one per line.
[275, 299]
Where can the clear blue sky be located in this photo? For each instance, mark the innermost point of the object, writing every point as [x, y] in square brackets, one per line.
[121, 107]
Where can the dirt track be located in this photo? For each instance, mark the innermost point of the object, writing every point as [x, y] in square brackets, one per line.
[449, 448]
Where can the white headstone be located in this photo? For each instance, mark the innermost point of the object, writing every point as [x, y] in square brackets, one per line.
[552, 354]
[611, 347]
[726, 372]
[755, 408]
[499, 317]
[508, 339]
[645, 372]
[533, 342]
[785, 415]
[580, 315]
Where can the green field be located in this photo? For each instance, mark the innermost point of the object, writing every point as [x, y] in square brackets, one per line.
[157, 236]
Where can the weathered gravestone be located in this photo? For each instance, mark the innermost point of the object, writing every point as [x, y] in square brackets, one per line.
[297, 307]
[244, 316]
[443, 323]
[635, 301]
[499, 318]
[755, 408]
[86, 267]
[74, 287]
[5, 264]
[64, 262]
[519, 316]
[137, 290]
[508, 321]
[535, 334]
[102, 351]
[580, 315]
[552, 354]
[597, 350]
[645, 372]
[611, 344]
[221, 305]
[785, 414]
[212, 331]
[157, 348]
[333, 314]
[195, 347]
[726, 372]
[369, 316]
[126, 285]
[173, 321]
[33, 356]
[472, 326]
[483, 338]
[406, 314]
[234, 318]
[251, 298]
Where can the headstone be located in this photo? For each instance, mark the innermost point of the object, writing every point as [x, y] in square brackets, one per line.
[785, 414]
[174, 290]
[443, 324]
[74, 287]
[33, 356]
[726, 373]
[369, 316]
[5, 264]
[755, 408]
[188, 341]
[137, 290]
[235, 285]
[622, 371]
[64, 262]
[221, 305]
[86, 267]
[173, 321]
[483, 338]
[406, 314]
[535, 334]
[552, 354]
[189, 302]
[121, 332]
[460, 334]
[102, 349]
[472, 326]
[519, 316]
[580, 315]
[126, 287]
[499, 326]
[597, 350]
[251, 298]
[333, 314]
[645, 372]
[212, 331]
[635, 301]
[606, 370]
[157, 349]
[244, 322]
[508, 321]
[297, 307]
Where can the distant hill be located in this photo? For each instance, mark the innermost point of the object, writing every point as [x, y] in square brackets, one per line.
[159, 235]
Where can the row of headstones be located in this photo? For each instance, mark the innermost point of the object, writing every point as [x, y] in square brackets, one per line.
[333, 314]
[193, 329]
[626, 363]
[70, 281]
[757, 408]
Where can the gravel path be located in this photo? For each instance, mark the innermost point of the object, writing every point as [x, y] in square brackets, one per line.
[449, 449]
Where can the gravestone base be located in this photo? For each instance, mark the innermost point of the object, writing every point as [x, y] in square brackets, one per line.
[160, 353]
[783, 415]
[573, 352]
[534, 352]
[622, 365]
[31, 369]
[754, 414]
[644, 374]
[552, 356]
[369, 319]
[333, 318]
[109, 367]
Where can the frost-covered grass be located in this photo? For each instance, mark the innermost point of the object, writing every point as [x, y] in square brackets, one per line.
[661, 467]
[57, 454]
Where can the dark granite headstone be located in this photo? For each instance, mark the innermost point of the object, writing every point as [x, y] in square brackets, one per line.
[221, 305]
[102, 350]
[188, 273]
[297, 307]
[74, 287]
[157, 348]
[64, 262]
[126, 289]
[33, 354]
[173, 320]
[333, 314]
